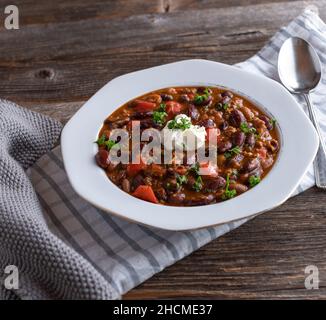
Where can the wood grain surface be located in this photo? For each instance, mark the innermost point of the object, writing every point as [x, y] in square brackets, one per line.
[65, 51]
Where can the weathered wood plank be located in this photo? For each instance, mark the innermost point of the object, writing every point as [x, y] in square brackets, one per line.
[264, 258]
[70, 61]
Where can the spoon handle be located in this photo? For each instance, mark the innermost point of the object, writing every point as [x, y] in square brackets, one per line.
[320, 160]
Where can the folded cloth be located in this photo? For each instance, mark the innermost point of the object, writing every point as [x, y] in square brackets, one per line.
[77, 250]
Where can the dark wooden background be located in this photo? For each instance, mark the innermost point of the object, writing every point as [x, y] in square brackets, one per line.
[65, 51]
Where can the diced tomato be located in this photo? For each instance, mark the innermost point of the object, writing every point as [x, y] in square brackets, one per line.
[145, 193]
[134, 168]
[208, 169]
[213, 132]
[173, 108]
[144, 106]
[262, 153]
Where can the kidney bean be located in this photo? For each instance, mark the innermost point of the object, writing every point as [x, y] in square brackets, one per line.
[223, 125]
[156, 98]
[141, 115]
[117, 123]
[193, 112]
[235, 162]
[267, 122]
[251, 165]
[224, 146]
[102, 158]
[225, 100]
[126, 185]
[200, 200]
[227, 94]
[251, 140]
[215, 184]
[166, 97]
[177, 198]
[137, 181]
[208, 123]
[171, 185]
[236, 118]
[184, 98]
[238, 187]
[238, 138]
[161, 194]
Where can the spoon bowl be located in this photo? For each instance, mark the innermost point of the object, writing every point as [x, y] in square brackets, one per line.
[299, 66]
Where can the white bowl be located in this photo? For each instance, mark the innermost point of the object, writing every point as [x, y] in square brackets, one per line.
[299, 143]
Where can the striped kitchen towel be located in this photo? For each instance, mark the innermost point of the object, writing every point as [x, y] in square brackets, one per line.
[125, 254]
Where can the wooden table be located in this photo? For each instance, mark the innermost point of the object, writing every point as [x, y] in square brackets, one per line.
[65, 51]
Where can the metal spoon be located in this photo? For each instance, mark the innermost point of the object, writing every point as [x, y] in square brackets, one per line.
[299, 69]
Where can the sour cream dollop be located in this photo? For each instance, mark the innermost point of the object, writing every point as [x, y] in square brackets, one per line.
[189, 139]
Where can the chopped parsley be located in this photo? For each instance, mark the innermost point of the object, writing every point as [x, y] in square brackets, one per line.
[228, 194]
[198, 185]
[181, 180]
[199, 99]
[222, 106]
[272, 122]
[182, 124]
[253, 181]
[107, 143]
[160, 114]
[246, 129]
[195, 168]
[234, 151]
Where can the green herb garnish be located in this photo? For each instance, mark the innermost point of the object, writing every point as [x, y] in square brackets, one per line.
[198, 185]
[203, 97]
[222, 106]
[253, 181]
[195, 168]
[182, 124]
[181, 180]
[100, 141]
[234, 151]
[228, 194]
[272, 122]
[246, 129]
[111, 144]
[160, 114]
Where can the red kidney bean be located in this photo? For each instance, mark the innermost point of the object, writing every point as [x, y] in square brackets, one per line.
[161, 194]
[193, 112]
[166, 97]
[184, 98]
[137, 181]
[235, 161]
[227, 94]
[267, 122]
[251, 140]
[223, 125]
[177, 198]
[236, 118]
[238, 138]
[125, 185]
[215, 184]
[208, 123]
[224, 146]
[251, 165]
[200, 200]
[141, 115]
[238, 187]
[102, 158]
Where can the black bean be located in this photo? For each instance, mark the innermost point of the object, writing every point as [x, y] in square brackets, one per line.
[251, 140]
[166, 97]
[236, 118]
[215, 184]
[193, 112]
[102, 158]
[238, 138]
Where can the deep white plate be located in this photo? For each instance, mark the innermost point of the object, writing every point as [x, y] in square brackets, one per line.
[299, 143]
